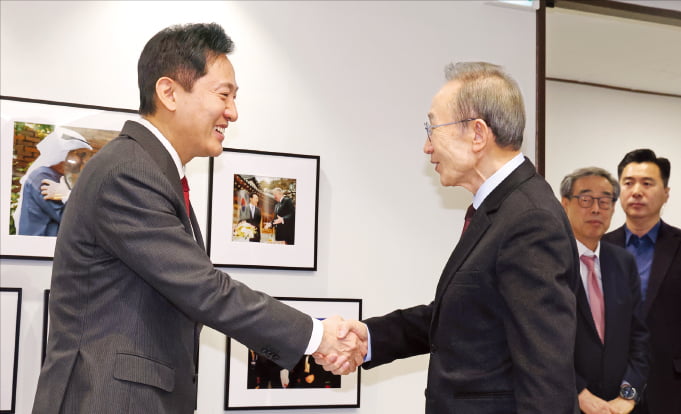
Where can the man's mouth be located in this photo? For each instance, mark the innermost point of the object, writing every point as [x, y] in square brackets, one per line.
[221, 130]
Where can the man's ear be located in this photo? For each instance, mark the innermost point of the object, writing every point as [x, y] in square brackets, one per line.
[564, 202]
[165, 93]
[483, 134]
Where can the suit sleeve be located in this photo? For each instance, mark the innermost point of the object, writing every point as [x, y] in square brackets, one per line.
[399, 334]
[537, 276]
[142, 227]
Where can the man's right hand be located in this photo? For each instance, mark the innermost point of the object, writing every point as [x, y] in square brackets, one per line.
[591, 404]
[344, 346]
[355, 337]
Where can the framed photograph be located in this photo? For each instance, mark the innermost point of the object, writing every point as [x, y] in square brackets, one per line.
[255, 382]
[43, 147]
[10, 321]
[263, 210]
[46, 324]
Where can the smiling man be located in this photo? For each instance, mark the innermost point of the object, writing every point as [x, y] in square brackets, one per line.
[131, 281]
[644, 178]
[611, 350]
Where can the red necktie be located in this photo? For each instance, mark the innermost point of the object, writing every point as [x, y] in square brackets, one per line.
[596, 302]
[185, 190]
[467, 219]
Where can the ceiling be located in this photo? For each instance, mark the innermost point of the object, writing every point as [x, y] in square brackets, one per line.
[613, 51]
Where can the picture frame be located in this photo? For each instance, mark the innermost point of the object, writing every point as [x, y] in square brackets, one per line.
[263, 210]
[58, 128]
[10, 324]
[46, 324]
[254, 382]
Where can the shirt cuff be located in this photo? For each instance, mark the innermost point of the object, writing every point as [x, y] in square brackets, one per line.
[367, 357]
[316, 337]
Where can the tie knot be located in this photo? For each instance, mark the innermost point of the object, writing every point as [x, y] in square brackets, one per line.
[185, 184]
[469, 212]
[588, 260]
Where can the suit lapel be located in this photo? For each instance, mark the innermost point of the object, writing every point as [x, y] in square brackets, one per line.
[480, 223]
[162, 158]
[609, 281]
[585, 309]
[666, 246]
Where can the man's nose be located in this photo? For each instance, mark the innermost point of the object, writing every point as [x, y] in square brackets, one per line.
[231, 113]
[428, 146]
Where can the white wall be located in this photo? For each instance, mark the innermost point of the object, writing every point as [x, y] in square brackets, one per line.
[589, 126]
[349, 81]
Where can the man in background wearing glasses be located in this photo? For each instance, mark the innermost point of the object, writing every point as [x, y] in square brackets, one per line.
[644, 178]
[501, 329]
[611, 350]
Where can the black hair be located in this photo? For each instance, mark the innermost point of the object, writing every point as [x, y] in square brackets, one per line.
[181, 53]
[646, 155]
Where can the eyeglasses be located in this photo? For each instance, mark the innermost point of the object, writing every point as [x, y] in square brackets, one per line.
[586, 201]
[429, 128]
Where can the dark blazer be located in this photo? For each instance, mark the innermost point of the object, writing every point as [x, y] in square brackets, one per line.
[601, 368]
[131, 286]
[662, 313]
[286, 230]
[501, 329]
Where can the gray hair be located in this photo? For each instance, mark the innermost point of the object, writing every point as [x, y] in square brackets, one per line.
[569, 181]
[489, 93]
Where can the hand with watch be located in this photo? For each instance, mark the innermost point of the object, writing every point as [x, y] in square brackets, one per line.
[629, 393]
[626, 401]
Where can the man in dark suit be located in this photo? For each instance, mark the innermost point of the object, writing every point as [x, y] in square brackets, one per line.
[656, 245]
[284, 217]
[611, 351]
[501, 329]
[131, 282]
[251, 214]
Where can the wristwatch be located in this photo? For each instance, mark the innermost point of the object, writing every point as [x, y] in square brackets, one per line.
[629, 393]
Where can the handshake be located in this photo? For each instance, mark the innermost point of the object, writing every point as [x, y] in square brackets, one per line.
[344, 345]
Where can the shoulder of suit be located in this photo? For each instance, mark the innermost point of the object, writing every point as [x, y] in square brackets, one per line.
[669, 228]
[612, 248]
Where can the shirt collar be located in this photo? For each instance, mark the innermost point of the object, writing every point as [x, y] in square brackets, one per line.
[652, 233]
[585, 251]
[493, 181]
[166, 144]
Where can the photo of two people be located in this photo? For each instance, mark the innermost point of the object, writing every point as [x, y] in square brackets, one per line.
[264, 209]
[47, 160]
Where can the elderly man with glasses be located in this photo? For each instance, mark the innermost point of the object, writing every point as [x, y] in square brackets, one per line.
[611, 350]
[500, 331]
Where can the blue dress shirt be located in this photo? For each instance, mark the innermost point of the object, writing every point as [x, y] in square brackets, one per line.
[643, 249]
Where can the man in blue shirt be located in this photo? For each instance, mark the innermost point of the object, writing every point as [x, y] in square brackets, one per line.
[644, 179]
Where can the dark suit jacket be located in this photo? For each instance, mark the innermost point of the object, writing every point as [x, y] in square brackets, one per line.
[130, 285]
[285, 231]
[601, 368]
[501, 328]
[662, 313]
